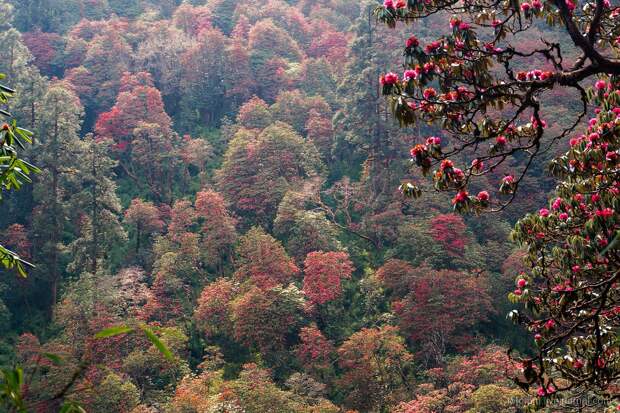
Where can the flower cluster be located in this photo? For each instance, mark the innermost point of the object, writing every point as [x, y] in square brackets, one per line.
[536, 74]
[459, 25]
[527, 8]
[571, 247]
[389, 4]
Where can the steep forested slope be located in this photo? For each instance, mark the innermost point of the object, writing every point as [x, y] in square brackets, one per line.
[226, 174]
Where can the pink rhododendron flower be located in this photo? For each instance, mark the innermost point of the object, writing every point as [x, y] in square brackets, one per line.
[433, 140]
[600, 85]
[446, 164]
[410, 74]
[477, 164]
[390, 78]
[483, 196]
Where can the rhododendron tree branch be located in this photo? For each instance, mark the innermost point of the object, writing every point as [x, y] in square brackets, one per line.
[570, 296]
[15, 170]
[473, 90]
[472, 83]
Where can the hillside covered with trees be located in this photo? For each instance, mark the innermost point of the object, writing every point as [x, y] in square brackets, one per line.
[319, 206]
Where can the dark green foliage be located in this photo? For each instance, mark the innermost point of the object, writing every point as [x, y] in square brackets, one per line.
[14, 171]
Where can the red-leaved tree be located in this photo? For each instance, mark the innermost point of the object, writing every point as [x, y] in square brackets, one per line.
[323, 275]
[263, 261]
[442, 310]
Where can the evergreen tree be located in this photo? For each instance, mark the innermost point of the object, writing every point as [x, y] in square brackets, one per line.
[59, 151]
[100, 229]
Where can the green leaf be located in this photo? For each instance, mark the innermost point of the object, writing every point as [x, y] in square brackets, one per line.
[54, 358]
[113, 331]
[157, 342]
[71, 407]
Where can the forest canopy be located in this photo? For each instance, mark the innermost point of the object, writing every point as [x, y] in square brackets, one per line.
[317, 206]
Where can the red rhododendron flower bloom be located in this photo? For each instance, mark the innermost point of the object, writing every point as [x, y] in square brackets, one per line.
[429, 93]
[605, 213]
[460, 197]
[446, 164]
[483, 196]
[477, 165]
[412, 42]
[418, 150]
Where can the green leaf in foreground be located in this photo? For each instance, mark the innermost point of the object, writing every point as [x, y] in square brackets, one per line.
[157, 342]
[54, 358]
[11, 382]
[113, 331]
[72, 407]
[150, 335]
